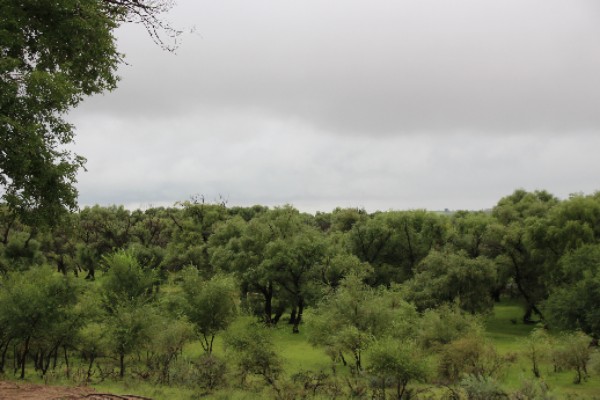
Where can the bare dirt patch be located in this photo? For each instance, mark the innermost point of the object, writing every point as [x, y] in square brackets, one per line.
[29, 391]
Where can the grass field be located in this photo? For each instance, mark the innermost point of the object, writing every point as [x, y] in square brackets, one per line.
[509, 337]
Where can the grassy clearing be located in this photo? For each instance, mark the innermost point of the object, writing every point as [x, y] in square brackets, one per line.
[504, 327]
[507, 332]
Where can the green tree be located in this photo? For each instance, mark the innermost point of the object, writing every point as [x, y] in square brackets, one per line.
[537, 346]
[442, 325]
[517, 215]
[348, 320]
[101, 230]
[210, 305]
[125, 281]
[36, 309]
[395, 242]
[169, 336]
[247, 249]
[574, 352]
[471, 355]
[395, 362]
[293, 262]
[574, 304]
[127, 295]
[252, 349]
[194, 223]
[54, 53]
[444, 277]
[130, 328]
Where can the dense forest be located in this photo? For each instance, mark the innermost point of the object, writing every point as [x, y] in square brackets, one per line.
[395, 299]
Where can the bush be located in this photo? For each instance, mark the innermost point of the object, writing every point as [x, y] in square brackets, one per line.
[470, 355]
[574, 353]
[207, 372]
[445, 324]
[479, 387]
[532, 390]
[251, 348]
[395, 363]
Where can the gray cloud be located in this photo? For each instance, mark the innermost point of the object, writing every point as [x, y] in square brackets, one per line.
[382, 104]
[380, 66]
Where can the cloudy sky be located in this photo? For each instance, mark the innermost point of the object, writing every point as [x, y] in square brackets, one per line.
[382, 104]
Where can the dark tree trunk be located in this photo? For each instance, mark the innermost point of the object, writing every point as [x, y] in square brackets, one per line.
[267, 293]
[89, 371]
[298, 320]
[62, 267]
[278, 313]
[292, 320]
[531, 307]
[496, 295]
[529, 310]
[55, 358]
[3, 358]
[122, 365]
[24, 357]
[91, 274]
[343, 359]
[66, 361]
[268, 307]
[36, 361]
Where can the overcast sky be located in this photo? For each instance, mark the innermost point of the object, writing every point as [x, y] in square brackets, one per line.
[382, 104]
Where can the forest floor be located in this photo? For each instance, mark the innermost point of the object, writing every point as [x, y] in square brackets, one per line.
[28, 391]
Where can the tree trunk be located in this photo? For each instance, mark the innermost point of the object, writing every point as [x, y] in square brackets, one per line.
[62, 267]
[292, 320]
[89, 371]
[91, 274]
[122, 365]
[268, 296]
[66, 361]
[3, 358]
[278, 313]
[24, 357]
[496, 294]
[531, 307]
[296, 328]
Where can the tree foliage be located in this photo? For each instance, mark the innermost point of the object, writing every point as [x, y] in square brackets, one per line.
[210, 305]
[53, 54]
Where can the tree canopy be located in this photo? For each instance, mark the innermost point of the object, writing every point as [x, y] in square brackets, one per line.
[53, 54]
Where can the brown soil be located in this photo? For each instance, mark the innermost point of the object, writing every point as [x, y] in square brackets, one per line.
[29, 391]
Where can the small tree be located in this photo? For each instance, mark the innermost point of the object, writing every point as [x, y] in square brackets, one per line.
[130, 329]
[35, 308]
[537, 347]
[167, 342]
[126, 292]
[470, 355]
[574, 352]
[125, 281]
[446, 277]
[480, 387]
[210, 305]
[440, 326]
[394, 362]
[252, 350]
[350, 318]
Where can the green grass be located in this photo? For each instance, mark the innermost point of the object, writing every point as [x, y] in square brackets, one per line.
[510, 337]
[299, 355]
[505, 328]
